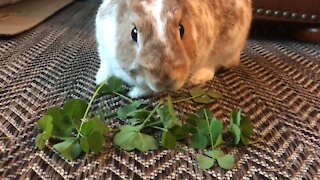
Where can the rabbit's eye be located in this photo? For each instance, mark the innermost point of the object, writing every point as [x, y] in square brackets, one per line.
[181, 29]
[134, 34]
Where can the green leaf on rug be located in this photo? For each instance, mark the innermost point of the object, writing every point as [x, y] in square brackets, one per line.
[214, 94]
[75, 108]
[125, 139]
[41, 140]
[144, 142]
[168, 140]
[76, 129]
[202, 96]
[84, 144]
[215, 153]
[226, 162]
[204, 162]
[236, 133]
[216, 128]
[236, 117]
[241, 128]
[199, 140]
[124, 111]
[69, 148]
[96, 141]
[113, 84]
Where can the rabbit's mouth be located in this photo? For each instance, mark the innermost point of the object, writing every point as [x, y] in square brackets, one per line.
[167, 86]
[156, 88]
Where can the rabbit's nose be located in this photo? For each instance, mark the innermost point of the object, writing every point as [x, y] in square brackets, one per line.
[133, 72]
[170, 84]
[175, 84]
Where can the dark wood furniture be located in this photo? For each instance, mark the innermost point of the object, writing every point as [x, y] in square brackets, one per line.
[298, 18]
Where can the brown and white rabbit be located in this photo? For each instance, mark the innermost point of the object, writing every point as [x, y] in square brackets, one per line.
[157, 45]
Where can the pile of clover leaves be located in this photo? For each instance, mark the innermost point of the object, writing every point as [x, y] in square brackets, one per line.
[74, 130]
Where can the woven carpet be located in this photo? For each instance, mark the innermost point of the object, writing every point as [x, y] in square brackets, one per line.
[277, 84]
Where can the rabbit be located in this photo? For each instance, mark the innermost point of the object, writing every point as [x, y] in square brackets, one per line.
[158, 45]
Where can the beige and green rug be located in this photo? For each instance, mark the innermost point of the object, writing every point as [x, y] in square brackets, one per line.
[277, 84]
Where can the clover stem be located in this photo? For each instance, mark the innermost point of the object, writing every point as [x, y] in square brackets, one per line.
[256, 141]
[91, 100]
[162, 129]
[186, 99]
[139, 110]
[58, 137]
[151, 113]
[153, 124]
[89, 106]
[4, 138]
[207, 119]
[123, 96]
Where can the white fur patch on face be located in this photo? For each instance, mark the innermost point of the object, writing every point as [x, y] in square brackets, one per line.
[106, 35]
[155, 9]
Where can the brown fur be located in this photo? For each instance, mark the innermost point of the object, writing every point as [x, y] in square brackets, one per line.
[210, 39]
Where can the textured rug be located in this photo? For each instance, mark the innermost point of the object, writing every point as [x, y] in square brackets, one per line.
[277, 84]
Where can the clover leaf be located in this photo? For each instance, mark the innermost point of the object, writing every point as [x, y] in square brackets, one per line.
[201, 132]
[77, 130]
[124, 111]
[241, 128]
[69, 125]
[87, 127]
[130, 138]
[95, 141]
[202, 127]
[204, 113]
[214, 94]
[244, 140]
[41, 140]
[45, 123]
[181, 132]
[216, 128]
[201, 96]
[62, 123]
[246, 127]
[144, 142]
[130, 128]
[236, 133]
[236, 117]
[92, 132]
[199, 140]
[215, 153]
[207, 161]
[124, 139]
[84, 144]
[75, 108]
[226, 162]
[113, 84]
[70, 148]
[246, 130]
[198, 120]
[204, 162]
[168, 140]
[168, 119]
[94, 124]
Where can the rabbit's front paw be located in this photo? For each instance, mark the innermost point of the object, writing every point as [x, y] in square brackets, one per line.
[102, 75]
[202, 75]
[138, 92]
